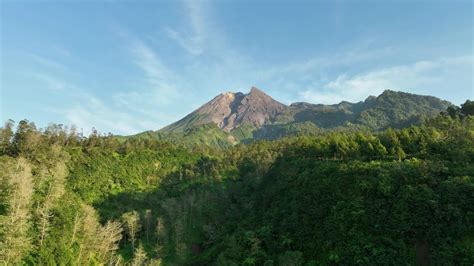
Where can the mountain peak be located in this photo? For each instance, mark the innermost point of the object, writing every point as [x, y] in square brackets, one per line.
[255, 90]
[230, 110]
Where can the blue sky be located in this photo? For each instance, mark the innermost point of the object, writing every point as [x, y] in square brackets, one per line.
[129, 66]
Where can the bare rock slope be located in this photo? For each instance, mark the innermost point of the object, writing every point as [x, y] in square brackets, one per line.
[230, 110]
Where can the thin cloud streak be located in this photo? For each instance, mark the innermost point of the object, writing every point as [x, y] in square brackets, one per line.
[52, 83]
[190, 45]
[47, 62]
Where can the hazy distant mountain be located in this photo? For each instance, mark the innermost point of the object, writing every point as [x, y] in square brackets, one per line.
[233, 117]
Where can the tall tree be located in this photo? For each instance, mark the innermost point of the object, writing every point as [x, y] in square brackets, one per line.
[52, 185]
[14, 226]
[467, 108]
[132, 225]
[6, 135]
[147, 222]
[97, 242]
[140, 257]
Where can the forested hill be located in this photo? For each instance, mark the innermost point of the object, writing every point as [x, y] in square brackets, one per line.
[232, 118]
[393, 197]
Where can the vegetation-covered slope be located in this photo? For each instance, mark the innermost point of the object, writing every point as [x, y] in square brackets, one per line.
[398, 110]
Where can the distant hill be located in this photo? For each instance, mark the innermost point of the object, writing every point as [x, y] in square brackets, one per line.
[231, 117]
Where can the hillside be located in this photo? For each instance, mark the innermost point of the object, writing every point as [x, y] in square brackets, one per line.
[395, 197]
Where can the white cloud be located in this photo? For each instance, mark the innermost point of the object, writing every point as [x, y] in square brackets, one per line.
[419, 77]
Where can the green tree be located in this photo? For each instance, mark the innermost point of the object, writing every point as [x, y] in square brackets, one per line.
[467, 108]
[6, 135]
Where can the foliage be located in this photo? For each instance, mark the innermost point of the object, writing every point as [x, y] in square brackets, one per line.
[398, 196]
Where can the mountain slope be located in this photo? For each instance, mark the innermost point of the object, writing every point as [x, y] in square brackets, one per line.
[390, 109]
[399, 109]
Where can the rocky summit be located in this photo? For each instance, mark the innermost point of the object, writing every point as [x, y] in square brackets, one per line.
[230, 110]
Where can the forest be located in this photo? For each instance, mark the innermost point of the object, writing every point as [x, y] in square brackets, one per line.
[390, 197]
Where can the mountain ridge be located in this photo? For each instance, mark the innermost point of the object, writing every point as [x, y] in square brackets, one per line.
[230, 110]
[234, 117]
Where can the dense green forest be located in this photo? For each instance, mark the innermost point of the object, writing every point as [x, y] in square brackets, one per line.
[394, 197]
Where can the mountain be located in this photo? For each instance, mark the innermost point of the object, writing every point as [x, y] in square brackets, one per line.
[230, 110]
[231, 117]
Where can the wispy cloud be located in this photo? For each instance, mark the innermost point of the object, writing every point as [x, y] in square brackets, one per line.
[50, 81]
[224, 66]
[62, 51]
[166, 94]
[193, 39]
[163, 83]
[348, 58]
[94, 113]
[418, 77]
[213, 64]
[154, 94]
[86, 111]
[80, 106]
[191, 45]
